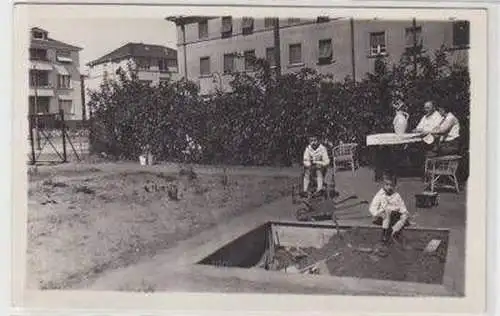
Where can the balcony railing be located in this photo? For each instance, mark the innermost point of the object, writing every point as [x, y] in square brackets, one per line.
[40, 58]
[41, 85]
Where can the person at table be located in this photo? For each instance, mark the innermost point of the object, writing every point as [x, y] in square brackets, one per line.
[430, 121]
[447, 134]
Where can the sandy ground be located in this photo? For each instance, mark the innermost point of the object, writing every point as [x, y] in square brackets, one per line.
[85, 222]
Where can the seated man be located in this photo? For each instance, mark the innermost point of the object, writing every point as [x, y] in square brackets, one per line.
[316, 160]
[431, 119]
[447, 134]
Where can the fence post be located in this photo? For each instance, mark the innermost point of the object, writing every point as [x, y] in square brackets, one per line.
[32, 140]
[63, 132]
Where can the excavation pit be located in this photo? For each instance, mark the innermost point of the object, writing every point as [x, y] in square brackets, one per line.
[320, 249]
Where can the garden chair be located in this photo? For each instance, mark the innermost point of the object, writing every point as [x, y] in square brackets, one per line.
[443, 167]
[345, 154]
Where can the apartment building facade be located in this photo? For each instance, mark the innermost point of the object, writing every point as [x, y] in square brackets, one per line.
[153, 63]
[211, 48]
[54, 76]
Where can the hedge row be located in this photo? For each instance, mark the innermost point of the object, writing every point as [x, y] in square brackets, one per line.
[265, 119]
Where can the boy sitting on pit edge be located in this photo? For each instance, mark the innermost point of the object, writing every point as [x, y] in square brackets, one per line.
[316, 160]
[389, 210]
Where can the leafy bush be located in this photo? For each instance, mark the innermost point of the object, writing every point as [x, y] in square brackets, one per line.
[265, 119]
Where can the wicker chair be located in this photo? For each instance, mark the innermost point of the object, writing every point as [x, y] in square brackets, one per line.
[437, 168]
[345, 154]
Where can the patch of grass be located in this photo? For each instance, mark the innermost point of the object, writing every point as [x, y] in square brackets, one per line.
[166, 177]
[84, 189]
[188, 173]
[200, 190]
[51, 183]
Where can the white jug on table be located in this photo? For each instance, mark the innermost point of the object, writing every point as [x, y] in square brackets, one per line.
[400, 122]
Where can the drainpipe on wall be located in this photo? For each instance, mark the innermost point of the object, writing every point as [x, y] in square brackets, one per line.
[353, 56]
[183, 28]
[277, 46]
[82, 93]
[414, 27]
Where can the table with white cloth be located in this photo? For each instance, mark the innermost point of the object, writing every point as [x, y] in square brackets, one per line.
[388, 150]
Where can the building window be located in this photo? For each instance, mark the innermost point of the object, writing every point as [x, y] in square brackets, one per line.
[203, 29]
[38, 35]
[461, 34]
[377, 44]
[322, 19]
[269, 23]
[143, 63]
[167, 65]
[413, 36]
[295, 54]
[292, 21]
[205, 66]
[38, 54]
[227, 27]
[39, 78]
[41, 105]
[66, 106]
[64, 56]
[229, 63]
[247, 26]
[325, 52]
[249, 60]
[270, 56]
[146, 82]
[63, 81]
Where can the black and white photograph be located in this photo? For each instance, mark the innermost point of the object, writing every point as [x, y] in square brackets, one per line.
[315, 154]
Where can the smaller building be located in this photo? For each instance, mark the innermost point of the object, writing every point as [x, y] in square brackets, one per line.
[54, 76]
[153, 63]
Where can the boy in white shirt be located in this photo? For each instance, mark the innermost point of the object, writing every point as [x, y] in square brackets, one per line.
[389, 210]
[315, 160]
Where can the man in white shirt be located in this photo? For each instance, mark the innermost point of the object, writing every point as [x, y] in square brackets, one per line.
[431, 120]
[447, 133]
[315, 160]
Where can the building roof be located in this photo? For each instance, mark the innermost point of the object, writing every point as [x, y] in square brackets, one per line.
[182, 20]
[136, 50]
[50, 42]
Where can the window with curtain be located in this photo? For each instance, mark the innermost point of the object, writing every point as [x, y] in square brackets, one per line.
[270, 56]
[229, 63]
[249, 60]
[203, 29]
[227, 27]
[325, 51]
[63, 81]
[410, 32]
[461, 34]
[66, 106]
[377, 43]
[295, 54]
[205, 66]
[247, 26]
[268, 23]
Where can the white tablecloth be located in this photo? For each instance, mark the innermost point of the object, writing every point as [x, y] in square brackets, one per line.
[392, 139]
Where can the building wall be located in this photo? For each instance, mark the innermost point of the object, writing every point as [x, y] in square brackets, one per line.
[96, 74]
[308, 33]
[73, 93]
